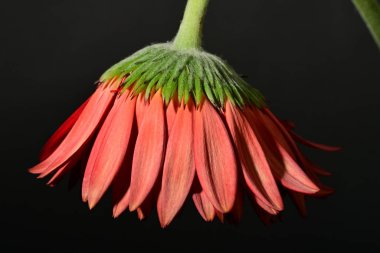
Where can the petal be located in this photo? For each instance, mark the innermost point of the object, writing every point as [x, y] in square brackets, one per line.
[121, 182]
[281, 162]
[148, 154]
[179, 168]
[171, 111]
[146, 207]
[299, 200]
[311, 169]
[214, 158]
[72, 163]
[204, 206]
[61, 133]
[237, 211]
[141, 106]
[313, 144]
[109, 149]
[86, 125]
[77, 173]
[256, 170]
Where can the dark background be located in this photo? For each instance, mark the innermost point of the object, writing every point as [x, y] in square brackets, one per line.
[314, 60]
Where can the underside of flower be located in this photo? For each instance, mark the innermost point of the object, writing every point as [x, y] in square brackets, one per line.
[173, 123]
[183, 74]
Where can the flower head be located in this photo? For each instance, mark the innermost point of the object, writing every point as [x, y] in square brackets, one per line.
[169, 124]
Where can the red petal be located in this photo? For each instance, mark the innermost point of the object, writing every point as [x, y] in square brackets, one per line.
[313, 144]
[214, 158]
[299, 200]
[310, 168]
[284, 168]
[146, 207]
[179, 168]
[120, 207]
[256, 170]
[171, 111]
[109, 149]
[73, 162]
[204, 206]
[141, 106]
[148, 154]
[120, 185]
[83, 129]
[61, 133]
[237, 210]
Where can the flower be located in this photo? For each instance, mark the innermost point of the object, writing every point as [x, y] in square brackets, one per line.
[173, 122]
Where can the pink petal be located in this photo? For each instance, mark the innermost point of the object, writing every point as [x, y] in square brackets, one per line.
[256, 170]
[214, 158]
[179, 168]
[148, 154]
[109, 149]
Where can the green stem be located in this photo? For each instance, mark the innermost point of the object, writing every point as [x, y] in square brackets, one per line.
[190, 32]
[370, 12]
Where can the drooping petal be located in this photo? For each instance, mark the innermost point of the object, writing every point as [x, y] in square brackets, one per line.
[109, 149]
[310, 169]
[89, 120]
[204, 206]
[256, 170]
[214, 158]
[179, 168]
[314, 144]
[299, 200]
[148, 154]
[77, 173]
[73, 163]
[61, 133]
[121, 182]
[144, 210]
[237, 210]
[121, 206]
[283, 165]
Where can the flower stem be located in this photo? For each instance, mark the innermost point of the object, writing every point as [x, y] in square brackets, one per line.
[190, 32]
[370, 12]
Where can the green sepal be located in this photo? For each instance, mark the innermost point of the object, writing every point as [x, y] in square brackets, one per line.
[186, 73]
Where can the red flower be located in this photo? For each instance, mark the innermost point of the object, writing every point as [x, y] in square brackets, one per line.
[149, 152]
[173, 121]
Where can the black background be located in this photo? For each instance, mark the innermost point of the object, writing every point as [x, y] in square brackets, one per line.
[314, 60]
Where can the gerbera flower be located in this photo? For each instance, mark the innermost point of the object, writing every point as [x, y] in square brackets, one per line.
[173, 122]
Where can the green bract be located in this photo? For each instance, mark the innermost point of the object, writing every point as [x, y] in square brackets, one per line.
[183, 73]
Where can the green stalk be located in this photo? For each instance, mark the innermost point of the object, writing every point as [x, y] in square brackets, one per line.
[190, 32]
[370, 12]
